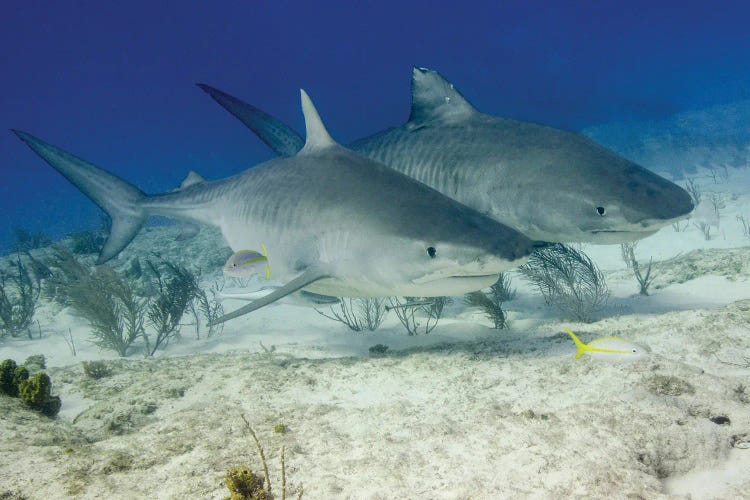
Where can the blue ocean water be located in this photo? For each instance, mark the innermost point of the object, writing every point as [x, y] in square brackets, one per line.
[114, 82]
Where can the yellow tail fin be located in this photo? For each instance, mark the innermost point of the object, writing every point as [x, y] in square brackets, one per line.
[268, 266]
[580, 346]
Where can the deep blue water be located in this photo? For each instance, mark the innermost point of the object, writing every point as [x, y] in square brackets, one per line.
[114, 83]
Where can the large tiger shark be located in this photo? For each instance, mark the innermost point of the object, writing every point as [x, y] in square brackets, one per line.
[550, 184]
[334, 222]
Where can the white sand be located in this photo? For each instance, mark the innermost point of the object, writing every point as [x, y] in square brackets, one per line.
[465, 412]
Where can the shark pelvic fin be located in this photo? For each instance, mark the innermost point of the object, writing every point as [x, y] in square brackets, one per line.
[277, 135]
[310, 276]
[317, 136]
[113, 195]
[435, 98]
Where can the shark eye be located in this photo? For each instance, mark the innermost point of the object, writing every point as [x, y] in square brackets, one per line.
[432, 252]
[634, 351]
[601, 211]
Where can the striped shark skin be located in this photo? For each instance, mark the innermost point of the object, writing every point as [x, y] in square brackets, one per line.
[335, 223]
[550, 184]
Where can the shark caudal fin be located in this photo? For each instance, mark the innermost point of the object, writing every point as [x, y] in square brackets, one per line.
[580, 346]
[278, 136]
[113, 195]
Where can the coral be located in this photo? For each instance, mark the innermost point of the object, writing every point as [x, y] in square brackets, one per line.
[664, 385]
[8, 384]
[280, 429]
[378, 350]
[11, 377]
[35, 363]
[35, 392]
[243, 484]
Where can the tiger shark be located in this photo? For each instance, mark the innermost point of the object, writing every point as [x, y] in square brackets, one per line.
[550, 184]
[334, 222]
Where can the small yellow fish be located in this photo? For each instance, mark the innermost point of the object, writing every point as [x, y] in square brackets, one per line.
[246, 263]
[609, 349]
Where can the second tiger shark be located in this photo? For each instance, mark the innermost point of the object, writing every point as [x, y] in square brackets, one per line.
[550, 184]
[335, 223]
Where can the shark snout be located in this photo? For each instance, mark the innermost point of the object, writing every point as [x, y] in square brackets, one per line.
[678, 204]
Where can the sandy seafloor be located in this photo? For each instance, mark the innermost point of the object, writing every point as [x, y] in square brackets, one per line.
[464, 412]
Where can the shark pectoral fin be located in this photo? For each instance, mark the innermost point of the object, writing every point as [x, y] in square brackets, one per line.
[278, 136]
[310, 276]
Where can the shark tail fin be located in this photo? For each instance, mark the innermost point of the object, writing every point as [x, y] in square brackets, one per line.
[581, 348]
[277, 135]
[113, 195]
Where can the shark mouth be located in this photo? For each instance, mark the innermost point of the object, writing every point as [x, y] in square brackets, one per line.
[453, 285]
[433, 278]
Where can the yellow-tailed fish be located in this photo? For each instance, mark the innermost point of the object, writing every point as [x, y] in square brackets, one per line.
[246, 263]
[609, 349]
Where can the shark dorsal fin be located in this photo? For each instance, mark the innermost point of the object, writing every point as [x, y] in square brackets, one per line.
[192, 179]
[317, 136]
[435, 98]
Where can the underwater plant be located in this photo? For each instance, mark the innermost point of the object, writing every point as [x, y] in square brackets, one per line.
[96, 369]
[210, 309]
[358, 314]
[111, 306]
[431, 307]
[492, 302]
[628, 255]
[177, 288]
[568, 279]
[103, 298]
[19, 294]
[26, 241]
[66, 271]
[694, 190]
[244, 484]
[87, 242]
[745, 225]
